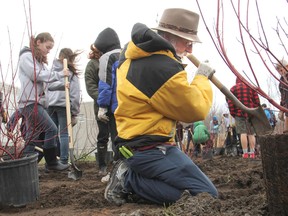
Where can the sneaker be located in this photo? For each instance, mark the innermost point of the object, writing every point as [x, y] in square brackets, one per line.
[106, 178]
[115, 192]
[252, 155]
[245, 155]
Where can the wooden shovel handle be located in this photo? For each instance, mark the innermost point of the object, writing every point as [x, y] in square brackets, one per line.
[257, 115]
[68, 111]
[76, 173]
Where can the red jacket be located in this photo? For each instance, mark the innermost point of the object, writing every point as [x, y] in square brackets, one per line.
[246, 95]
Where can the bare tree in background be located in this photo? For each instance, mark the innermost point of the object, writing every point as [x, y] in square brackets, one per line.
[12, 142]
[255, 43]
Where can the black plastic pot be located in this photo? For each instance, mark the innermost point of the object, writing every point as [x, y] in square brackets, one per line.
[19, 181]
[274, 154]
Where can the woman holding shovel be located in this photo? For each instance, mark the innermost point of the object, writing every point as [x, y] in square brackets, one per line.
[57, 99]
[33, 76]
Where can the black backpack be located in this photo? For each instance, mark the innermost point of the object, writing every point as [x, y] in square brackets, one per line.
[273, 119]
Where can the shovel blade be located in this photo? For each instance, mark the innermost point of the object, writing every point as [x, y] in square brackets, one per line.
[260, 122]
[75, 174]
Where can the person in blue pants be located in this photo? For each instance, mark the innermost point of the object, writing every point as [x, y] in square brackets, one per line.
[153, 93]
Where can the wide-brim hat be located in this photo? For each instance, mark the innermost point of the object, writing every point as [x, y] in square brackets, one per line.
[180, 22]
[281, 63]
[284, 62]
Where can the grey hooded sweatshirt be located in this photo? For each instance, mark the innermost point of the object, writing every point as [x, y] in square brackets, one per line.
[57, 97]
[33, 79]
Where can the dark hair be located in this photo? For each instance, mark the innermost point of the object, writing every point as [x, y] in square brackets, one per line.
[94, 53]
[42, 37]
[264, 105]
[71, 59]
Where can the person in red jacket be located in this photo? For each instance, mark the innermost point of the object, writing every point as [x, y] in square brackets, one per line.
[249, 98]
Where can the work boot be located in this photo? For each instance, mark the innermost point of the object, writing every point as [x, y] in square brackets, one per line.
[101, 160]
[52, 162]
[115, 192]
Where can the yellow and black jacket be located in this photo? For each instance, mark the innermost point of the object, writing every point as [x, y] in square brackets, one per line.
[153, 92]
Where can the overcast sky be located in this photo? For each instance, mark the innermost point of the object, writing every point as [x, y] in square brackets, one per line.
[76, 24]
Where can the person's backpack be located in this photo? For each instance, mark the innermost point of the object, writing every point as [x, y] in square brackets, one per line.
[273, 119]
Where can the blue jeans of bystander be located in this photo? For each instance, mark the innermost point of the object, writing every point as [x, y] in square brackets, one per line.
[38, 121]
[59, 117]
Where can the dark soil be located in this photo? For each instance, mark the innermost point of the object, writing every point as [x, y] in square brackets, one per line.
[239, 182]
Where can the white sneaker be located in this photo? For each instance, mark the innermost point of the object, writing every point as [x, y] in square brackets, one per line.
[106, 178]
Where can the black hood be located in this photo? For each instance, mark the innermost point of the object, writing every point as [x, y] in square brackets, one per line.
[149, 41]
[107, 40]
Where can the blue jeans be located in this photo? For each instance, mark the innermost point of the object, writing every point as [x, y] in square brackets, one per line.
[37, 121]
[59, 117]
[161, 176]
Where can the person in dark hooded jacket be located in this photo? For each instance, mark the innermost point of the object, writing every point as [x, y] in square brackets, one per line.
[108, 44]
[57, 100]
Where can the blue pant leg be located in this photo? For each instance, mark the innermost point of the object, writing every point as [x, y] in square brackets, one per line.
[63, 133]
[52, 111]
[39, 121]
[143, 177]
[187, 175]
[151, 189]
[31, 132]
[173, 168]
[48, 126]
